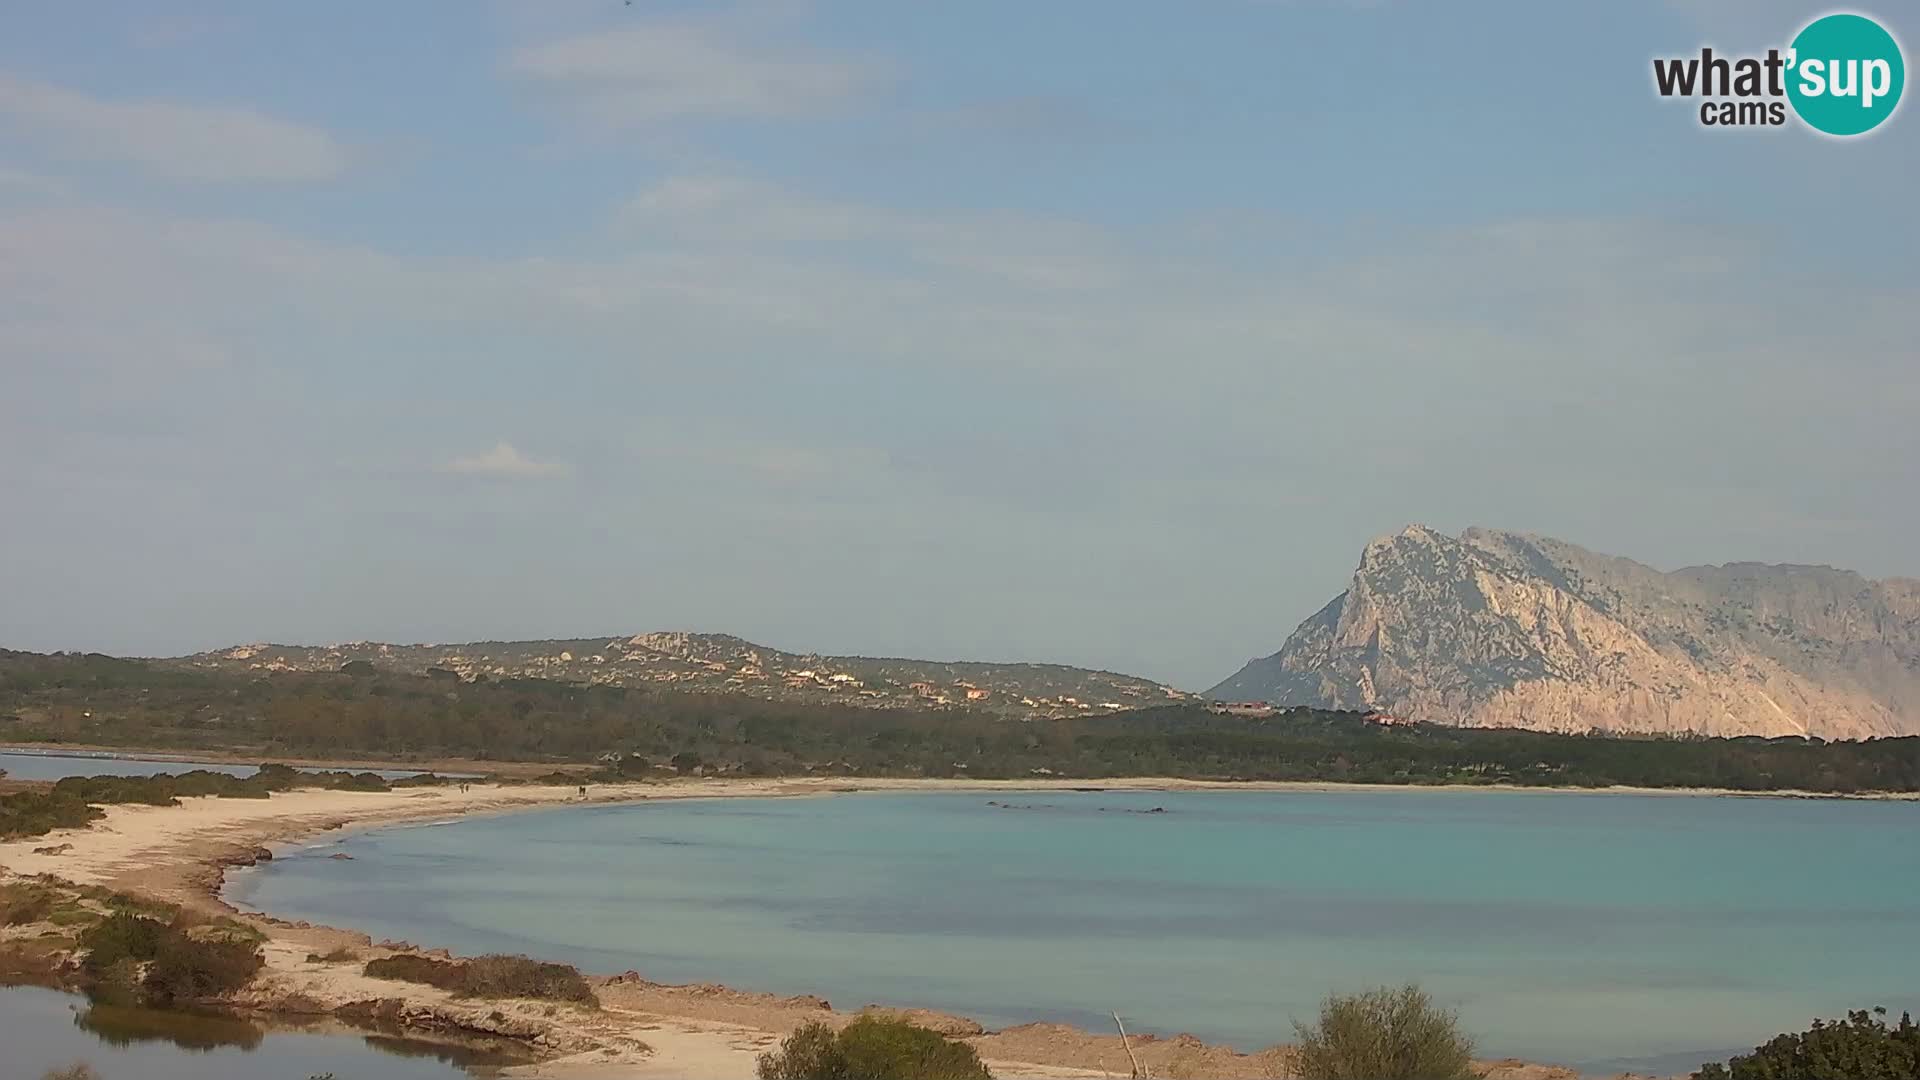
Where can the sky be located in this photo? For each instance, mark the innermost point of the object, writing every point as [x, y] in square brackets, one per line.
[1096, 331]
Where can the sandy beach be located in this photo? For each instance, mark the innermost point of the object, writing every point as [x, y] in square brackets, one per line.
[644, 1030]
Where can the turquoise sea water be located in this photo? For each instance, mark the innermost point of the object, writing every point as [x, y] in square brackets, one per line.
[1596, 930]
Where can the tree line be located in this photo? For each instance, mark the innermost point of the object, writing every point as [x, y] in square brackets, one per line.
[373, 714]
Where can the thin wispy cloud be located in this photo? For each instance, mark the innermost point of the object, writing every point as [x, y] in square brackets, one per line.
[670, 69]
[22, 180]
[504, 462]
[916, 297]
[175, 141]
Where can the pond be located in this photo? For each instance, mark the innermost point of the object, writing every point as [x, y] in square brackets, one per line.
[45, 1029]
[19, 764]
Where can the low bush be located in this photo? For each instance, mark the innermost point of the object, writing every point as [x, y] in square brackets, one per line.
[35, 813]
[518, 976]
[133, 959]
[413, 968]
[871, 1048]
[120, 936]
[427, 779]
[1384, 1034]
[488, 977]
[1861, 1047]
[185, 969]
[79, 1070]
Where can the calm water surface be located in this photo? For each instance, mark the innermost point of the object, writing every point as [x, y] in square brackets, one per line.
[1598, 930]
[43, 1029]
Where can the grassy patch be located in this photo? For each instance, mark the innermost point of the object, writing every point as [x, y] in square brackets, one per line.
[25, 902]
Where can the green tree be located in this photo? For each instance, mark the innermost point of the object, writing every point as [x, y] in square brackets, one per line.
[1861, 1047]
[1384, 1034]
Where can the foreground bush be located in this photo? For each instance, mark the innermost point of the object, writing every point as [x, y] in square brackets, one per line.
[871, 1048]
[488, 976]
[1862, 1047]
[185, 969]
[1384, 1034]
[133, 959]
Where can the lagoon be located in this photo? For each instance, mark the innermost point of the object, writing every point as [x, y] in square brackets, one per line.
[58, 765]
[45, 1029]
[1607, 931]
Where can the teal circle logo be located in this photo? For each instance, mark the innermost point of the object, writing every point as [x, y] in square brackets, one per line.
[1845, 74]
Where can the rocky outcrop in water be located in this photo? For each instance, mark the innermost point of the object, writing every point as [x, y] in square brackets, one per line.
[1504, 629]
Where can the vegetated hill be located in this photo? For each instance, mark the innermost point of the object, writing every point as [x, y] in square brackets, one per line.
[646, 731]
[720, 663]
[1503, 629]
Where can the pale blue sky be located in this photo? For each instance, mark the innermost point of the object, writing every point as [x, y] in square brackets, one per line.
[1100, 332]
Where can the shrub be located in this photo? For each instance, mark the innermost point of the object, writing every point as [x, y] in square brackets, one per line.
[409, 967]
[120, 936]
[1861, 1047]
[871, 1048]
[517, 976]
[33, 813]
[488, 976]
[812, 1052]
[79, 1070]
[1384, 1034]
[178, 967]
[187, 970]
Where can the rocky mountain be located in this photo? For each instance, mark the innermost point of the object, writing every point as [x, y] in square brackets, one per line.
[1503, 629]
[720, 663]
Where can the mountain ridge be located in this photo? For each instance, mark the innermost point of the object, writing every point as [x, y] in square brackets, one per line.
[725, 663]
[1501, 628]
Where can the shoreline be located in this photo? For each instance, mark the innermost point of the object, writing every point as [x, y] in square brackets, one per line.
[644, 1030]
[498, 770]
[177, 756]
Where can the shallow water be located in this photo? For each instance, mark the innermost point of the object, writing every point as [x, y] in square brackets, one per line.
[1598, 930]
[44, 1029]
[38, 765]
